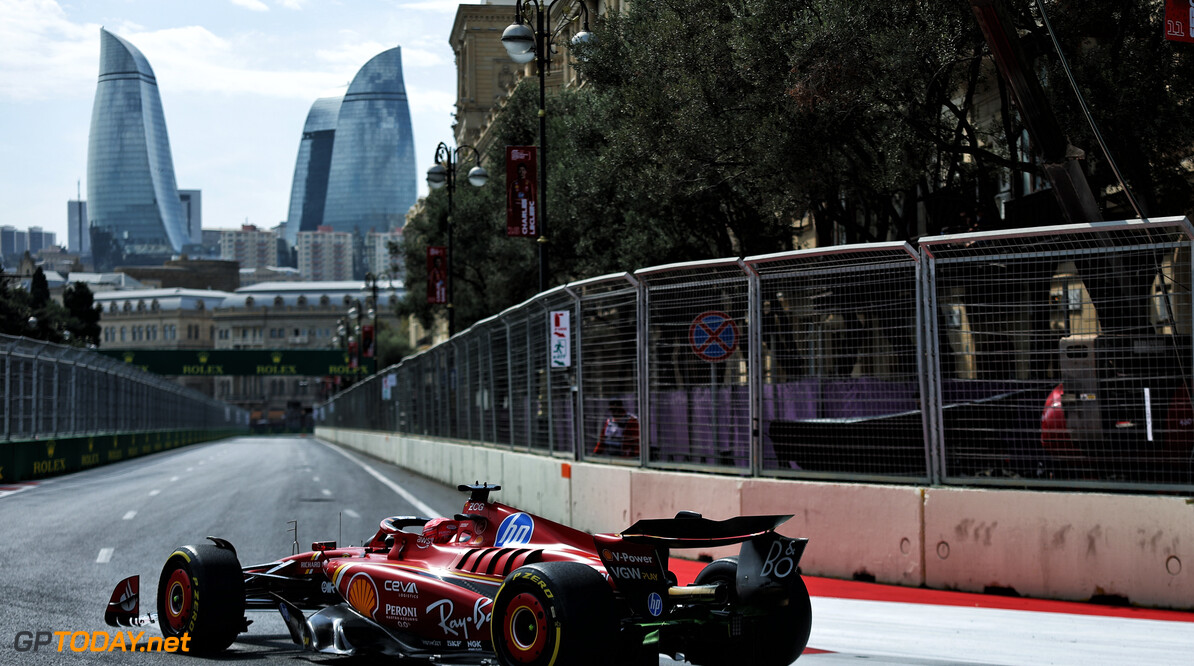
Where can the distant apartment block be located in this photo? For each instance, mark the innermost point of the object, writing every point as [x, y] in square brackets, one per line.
[378, 258]
[14, 243]
[252, 247]
[325, 255]
[40, 239]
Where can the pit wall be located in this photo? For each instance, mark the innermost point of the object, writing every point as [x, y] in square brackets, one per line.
[1053, 545]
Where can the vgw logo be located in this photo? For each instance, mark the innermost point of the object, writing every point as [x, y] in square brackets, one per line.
[515, 530]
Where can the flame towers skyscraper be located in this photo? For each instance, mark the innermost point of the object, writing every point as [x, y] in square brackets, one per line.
[133, 208]
[356, 162]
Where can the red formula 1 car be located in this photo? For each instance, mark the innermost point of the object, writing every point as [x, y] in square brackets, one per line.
[495, 585]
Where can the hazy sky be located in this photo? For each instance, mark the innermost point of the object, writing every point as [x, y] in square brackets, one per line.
[236, 78]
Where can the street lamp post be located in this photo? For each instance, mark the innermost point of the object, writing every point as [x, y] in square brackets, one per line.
[524, 45]
[443, 173]
[371, 281]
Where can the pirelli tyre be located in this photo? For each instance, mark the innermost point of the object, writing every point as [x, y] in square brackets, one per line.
[777, 638]
[201, 594]
[554, 614]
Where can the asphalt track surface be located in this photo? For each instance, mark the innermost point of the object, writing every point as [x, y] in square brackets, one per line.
[66, 542]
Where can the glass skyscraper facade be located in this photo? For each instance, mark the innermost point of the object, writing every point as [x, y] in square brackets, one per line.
[133, 207]
[371, 179]
[308, 193]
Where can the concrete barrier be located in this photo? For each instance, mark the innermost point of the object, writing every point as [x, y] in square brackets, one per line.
[1062, 545]
[25, 460]
[1074, 546]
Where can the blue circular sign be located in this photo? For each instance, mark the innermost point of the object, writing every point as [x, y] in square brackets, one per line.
[515, 530]
[713, 335]
[654, 604]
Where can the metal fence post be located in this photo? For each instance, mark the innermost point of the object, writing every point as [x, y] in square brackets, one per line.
[578, 363]
[642, 359]
[754, 365]
[928, 365]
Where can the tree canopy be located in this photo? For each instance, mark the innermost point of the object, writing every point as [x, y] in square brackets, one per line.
[714, 128]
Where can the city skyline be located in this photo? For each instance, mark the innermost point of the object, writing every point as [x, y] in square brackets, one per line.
[236, 79]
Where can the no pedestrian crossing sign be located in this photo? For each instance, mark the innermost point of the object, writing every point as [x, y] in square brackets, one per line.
[713, 336]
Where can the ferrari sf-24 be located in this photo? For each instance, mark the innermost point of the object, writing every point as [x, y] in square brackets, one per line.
[495, 585]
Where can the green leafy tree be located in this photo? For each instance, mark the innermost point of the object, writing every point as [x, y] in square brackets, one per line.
[83, 318]
[708, 128]
[39, 289]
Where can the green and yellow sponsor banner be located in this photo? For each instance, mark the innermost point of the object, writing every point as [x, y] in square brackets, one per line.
[245, 362]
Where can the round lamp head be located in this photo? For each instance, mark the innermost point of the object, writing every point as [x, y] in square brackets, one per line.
[437, 176]
[519, 41]
[477, 177]
[584, 37]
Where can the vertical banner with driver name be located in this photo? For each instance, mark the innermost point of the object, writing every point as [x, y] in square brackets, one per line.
[1179, 17]
[522, 217]
[437, 274]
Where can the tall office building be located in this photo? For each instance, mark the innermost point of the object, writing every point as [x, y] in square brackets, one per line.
[13, 243]
[192, 212]
[309, 190]
[135, 213]
[78, 236]
[40, 239]
[371, 179]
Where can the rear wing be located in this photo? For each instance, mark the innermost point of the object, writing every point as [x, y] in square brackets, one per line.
[695, 532]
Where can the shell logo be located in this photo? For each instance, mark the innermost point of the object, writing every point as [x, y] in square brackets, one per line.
[362, 594]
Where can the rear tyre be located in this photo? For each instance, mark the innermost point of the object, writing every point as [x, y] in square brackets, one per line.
[777, 638]
[201, 594]
[553, 614]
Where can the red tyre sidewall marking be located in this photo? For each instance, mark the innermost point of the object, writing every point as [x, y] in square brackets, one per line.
[179, 579]
[526, 602]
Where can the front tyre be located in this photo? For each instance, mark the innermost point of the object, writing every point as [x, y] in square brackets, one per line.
[201, 594]
[553, 614]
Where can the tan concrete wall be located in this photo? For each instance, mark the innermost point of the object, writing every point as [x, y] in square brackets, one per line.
[1050, 545]
[1061, 545]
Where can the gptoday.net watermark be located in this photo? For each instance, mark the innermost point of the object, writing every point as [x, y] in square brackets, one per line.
[98, 641]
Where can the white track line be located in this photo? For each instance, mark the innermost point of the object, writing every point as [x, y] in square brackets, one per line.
[105, 555]
[402, 492]
[154, 492]
[352, 514]
[130, 515]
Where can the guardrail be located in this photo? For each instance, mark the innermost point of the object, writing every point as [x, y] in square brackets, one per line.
[1045, 357]
[64, 408]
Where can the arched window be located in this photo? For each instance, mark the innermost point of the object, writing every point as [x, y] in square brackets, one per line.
[324, 300]
[278, 302]
[249, 302]
[302, 301]
[155, 306]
